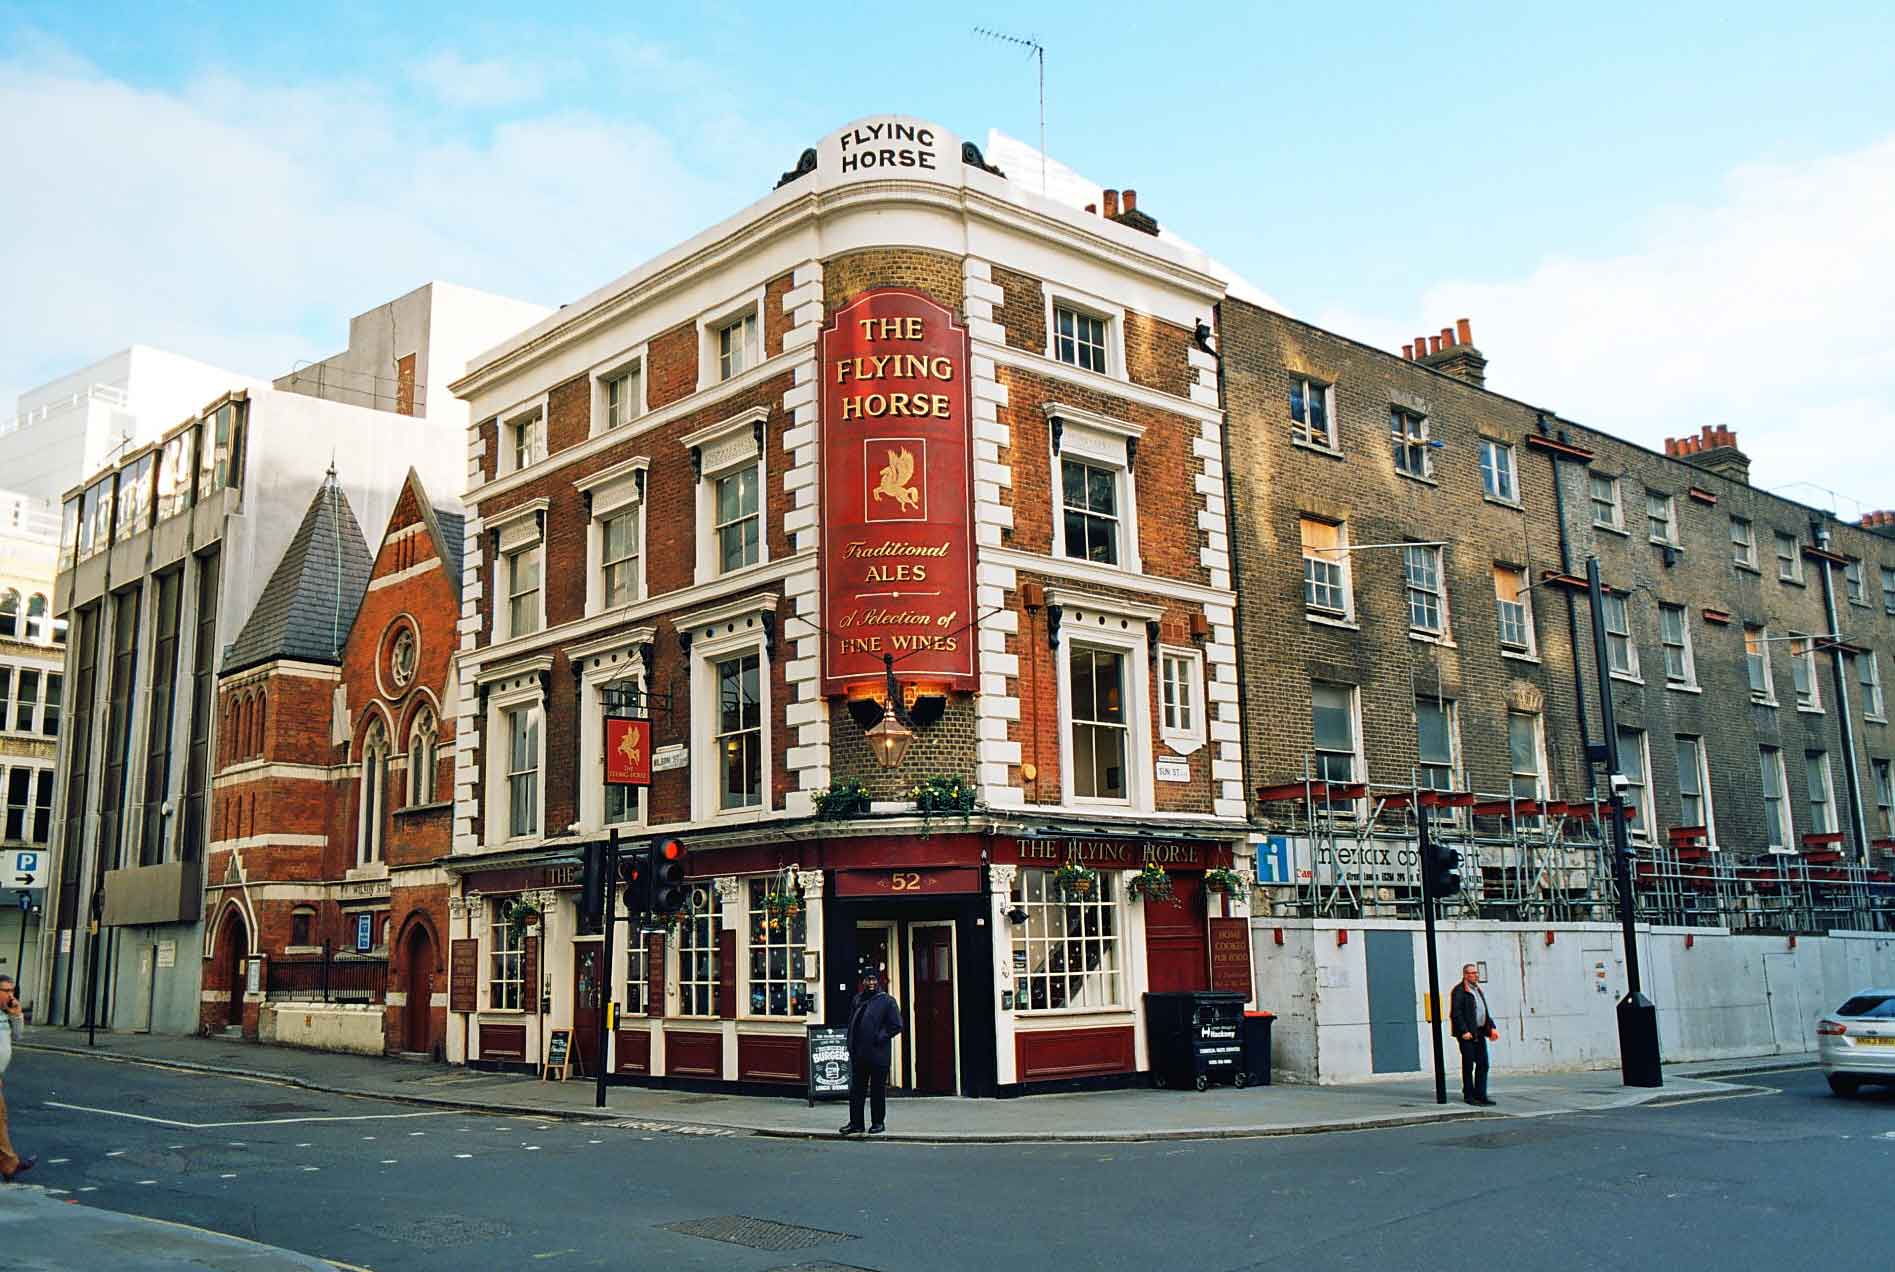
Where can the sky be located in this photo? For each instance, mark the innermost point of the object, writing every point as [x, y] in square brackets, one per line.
[1655, 220]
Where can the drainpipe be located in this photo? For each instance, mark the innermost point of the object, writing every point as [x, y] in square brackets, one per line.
[1572, 604]
[1820, 533]
[1236, 584]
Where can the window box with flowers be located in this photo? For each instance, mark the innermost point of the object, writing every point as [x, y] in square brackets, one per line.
[1151, 883]
[841, 801]
[1075, 880]
[943, 795]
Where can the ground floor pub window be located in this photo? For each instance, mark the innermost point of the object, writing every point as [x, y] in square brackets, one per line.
[776, 952]
[506, 966]
[697, 957]
[1066, 954]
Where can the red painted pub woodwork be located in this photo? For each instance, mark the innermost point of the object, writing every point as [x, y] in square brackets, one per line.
[872, 544]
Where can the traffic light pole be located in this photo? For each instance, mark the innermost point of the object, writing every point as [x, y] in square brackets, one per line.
[1434, 966]
[1639, 1061]
[611, 905]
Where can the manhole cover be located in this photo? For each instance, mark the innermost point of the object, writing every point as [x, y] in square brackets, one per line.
[437, 1230]
[758, 1234]
[820, 1267]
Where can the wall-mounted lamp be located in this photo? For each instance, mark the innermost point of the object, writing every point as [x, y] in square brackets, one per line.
[888, 724]
[1017, 914]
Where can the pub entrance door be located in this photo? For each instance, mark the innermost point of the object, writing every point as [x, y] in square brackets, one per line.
[878, 950]
[931, 1009]
[1177, 952]
[588, 982]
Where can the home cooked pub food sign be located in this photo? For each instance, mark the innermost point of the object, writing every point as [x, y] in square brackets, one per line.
[898, 572]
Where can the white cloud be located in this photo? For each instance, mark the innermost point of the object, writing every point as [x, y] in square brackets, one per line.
[1769, 307]
[477, 85]
[241, 223]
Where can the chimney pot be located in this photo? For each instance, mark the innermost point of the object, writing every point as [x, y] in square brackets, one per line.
[1434, 344]
[1465, 330]
[1671, 447]
[1421, 346]
[1408, 352]
[1093, 208]
[1111, 204]
[1447, 337]
[1131, 200]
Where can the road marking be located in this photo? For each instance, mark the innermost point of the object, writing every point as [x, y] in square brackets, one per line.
[368, 1139]
[90, 1188]
[268, 1121]
[304, 1144]
[389, 1161]
[532, 1148]
[57, 1192]
[57, 1161]
[595, 1141]
[143, 1182]
[117, 1152]
[413, 1134]
[463, 1156]
[312, 1169]
[229, 1176]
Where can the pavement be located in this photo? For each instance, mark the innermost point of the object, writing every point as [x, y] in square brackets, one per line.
[40, 1232]
[1130, 1115]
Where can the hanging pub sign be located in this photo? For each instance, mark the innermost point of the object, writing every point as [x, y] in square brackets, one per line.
[897, 494]
[628, 752]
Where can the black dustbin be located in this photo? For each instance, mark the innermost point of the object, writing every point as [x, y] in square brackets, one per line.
[1257, 1047]
[1196, 1038]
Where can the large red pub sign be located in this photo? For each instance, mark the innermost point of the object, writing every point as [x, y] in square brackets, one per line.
[897, 496]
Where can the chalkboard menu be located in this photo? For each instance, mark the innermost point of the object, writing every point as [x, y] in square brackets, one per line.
[463, 975]
[828, 1063]
[558, 1055]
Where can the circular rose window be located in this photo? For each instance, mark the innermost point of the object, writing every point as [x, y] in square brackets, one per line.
[401, 657]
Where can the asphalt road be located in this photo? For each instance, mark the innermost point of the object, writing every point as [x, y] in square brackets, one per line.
[1788, 1178]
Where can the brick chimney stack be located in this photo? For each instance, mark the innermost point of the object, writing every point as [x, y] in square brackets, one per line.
[1127, 214]
[1714, 449]
[1881, 521]
[1452, 353]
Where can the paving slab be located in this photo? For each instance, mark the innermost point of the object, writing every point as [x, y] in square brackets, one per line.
[40, 1232]
[1094, 1116]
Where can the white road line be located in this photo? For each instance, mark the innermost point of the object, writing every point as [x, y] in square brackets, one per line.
[57, 1192]
[117, 1152]
[311, 1169]
[147, 1181]
[90, 1188]
[269, 1121]
[304, 1144]
[57, 1161]
[389, 1161]
[229, 1176]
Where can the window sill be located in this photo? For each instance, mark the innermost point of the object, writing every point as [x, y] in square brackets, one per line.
[1803, 710]
[1330, 620]
[1430, 638]
[417, 809]
[1875, 719]
[1683, 688]
[1418, 478]
[1500, 501]
[1191, 743]
[1629, 677]
[1612, 529]
[1859, 604]
[302, 949]
[1521, 655]
[1755, 701]
[1790, 581]
[1328, 452]
[502, 1011]
[1747, 568]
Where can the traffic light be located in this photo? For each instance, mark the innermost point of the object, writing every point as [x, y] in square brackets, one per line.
[1440, 869]
[667, 876]
[592, 887]
[635, 878]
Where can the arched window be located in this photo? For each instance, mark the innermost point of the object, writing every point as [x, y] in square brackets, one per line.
[263, 710]
[422, 758]
[374, 793]
[36, 618]
[10, 614]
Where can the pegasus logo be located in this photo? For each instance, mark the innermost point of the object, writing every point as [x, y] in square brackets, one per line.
[895, 478]
[628, 747]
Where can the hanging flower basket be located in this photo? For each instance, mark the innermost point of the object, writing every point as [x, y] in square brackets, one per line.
[782, 906]
[522, 917]
[1225, 880]
[1153, 884]
[1077, 882]
[943, 795]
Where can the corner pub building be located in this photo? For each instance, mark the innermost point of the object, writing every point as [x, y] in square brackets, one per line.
[895, 505]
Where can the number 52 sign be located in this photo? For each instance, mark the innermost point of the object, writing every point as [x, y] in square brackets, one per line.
[907, 883]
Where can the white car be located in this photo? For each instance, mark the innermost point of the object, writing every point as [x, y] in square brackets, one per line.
[1856, 1042]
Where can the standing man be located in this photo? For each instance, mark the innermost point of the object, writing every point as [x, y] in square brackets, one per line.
[11, 1163]
[875, 1020]
[1473, 1026]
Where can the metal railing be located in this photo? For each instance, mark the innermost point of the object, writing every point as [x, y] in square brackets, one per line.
[328, 979]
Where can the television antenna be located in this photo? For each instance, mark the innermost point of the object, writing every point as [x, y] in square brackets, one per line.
[1037, 51]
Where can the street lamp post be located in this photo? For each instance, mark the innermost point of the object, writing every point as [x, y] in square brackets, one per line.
[1638, 1017]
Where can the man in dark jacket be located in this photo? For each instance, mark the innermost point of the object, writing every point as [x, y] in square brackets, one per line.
[1473, 1026]
[875, 1019]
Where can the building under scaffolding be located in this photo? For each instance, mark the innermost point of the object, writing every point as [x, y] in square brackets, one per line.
[1351, 850]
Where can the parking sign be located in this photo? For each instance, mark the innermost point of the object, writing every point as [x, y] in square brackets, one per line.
[29, 870]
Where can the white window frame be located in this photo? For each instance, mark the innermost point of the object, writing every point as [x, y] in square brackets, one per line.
[516, 530]
[1770, 764]
[514, 565]
[1854, 587]
[758, 938]
[1341, 563]
[1617, 487]
[1450, 709]
[1497, 460]
[1190, 663]
[1881, 777]
[1670, 537]
[507, 436]
[1301, 433]
[1888, 589]
[1413, 437]
[1443, 630]
[634, 361]
[1829, 823]
[614, 491]
[1530, 647]
[1540, 776]
[1103, 442]
[604, 663]
[1045, 927]
[1060, 297]
[1806, 659]
[518, 687]
[1794, 561]
[1116, 626]
[1358, 764]
[1637, 795]
[423, 760]
[505, 952]
[1702, 757]
[711, 326]
[708, 648]
[1618, 601]
[1687, 655]
[723, 448]
[701, 927]
[1766, 696]
[1869, 677]
[1743, 542]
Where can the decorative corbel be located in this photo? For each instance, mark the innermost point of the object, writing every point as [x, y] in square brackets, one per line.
[767, 620]
[539, 522]
[1131, 453]
[1151, 638]
[1059, 427]
[697, 463]
[1053, 613]
[646, 651]
[756, 433]
[586, 496]
[684, 641]
[638, 480]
